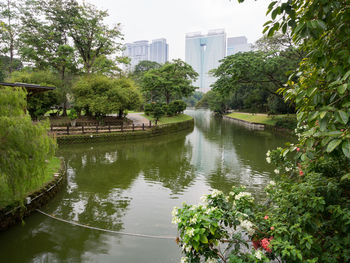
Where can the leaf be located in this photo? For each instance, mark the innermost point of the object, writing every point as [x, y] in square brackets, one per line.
[341, 89]
[345, 177]
[346, 148]
[204, 239]
[344, 116]
[333, 144]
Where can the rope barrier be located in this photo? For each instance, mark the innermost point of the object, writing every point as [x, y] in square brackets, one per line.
[104, 230]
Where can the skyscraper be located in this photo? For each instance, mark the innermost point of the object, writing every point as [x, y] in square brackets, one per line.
[203, 53]
[159, 51]
[137, 51]
[237, 44]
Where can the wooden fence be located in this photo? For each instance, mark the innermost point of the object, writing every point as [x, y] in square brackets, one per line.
[67, 130]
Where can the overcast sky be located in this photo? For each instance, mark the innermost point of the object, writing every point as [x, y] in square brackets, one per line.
[172, 19]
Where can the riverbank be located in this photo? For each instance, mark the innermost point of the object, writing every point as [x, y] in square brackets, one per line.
[261, 121]
[160, 129]
[14, 212]
[167, 120]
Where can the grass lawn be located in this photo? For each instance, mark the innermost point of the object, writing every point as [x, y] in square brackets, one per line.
[166, 120]
[258, 118]
[6, 197]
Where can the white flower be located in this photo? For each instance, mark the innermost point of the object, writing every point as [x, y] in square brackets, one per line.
[276, 171]
[288, 169]
[243, 194]
[175, 220]
[216, 193]
[175, 211]
[210, 210]
[268, 153]
[193, 220]
[184, 260]
[204, 199]
[186, 248]
[248, 226]
[268, 159]
[258, 254]
[190, 232]
[211, 260]
[272, 183]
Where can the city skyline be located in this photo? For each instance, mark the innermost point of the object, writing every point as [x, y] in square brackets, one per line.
[172, 19]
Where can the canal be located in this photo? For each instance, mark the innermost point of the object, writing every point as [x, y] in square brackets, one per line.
[133, 186]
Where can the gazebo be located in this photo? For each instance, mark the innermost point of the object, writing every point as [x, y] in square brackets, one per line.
[31, 88]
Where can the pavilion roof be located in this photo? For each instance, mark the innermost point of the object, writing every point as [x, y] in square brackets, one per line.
[31, 88]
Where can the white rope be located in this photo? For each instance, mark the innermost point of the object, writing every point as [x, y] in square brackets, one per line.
[104, 230]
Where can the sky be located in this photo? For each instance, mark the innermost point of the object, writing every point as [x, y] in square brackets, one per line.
[172, 19]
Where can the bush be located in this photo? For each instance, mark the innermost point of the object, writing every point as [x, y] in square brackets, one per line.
[24, 147]
[148, 109]
[287, 123]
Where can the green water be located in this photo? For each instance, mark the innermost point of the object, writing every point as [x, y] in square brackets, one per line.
[133, 187]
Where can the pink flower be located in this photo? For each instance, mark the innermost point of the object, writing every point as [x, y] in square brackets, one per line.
[298, 149]
[272, 228]
[265, 243]
[266, 217]
[342, 130]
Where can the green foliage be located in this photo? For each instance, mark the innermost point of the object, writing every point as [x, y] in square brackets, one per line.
[157, 111]
[72, 115]
[173, 108]
[171, 81]
[101, 95]
[142, 67]
[194, 99]
[24, 146]
[39, 104]
[308, 209]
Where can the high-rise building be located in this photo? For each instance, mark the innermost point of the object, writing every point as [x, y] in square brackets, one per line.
[237, 44]
[159, 51]
[203, 53]
[137, 51]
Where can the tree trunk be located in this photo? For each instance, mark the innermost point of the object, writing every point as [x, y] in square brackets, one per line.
[120, 113]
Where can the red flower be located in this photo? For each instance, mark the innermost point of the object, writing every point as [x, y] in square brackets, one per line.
[301, 173]
[266, 217]
[298, 149]
[265, 243]
[256, 244]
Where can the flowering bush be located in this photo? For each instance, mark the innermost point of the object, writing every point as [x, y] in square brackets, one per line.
[223, 228]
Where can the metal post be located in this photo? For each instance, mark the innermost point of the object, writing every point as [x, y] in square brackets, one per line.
[150, 124]
[109, 127]
[143, 126]
[68, 129]
[82, 128]
[133, 127]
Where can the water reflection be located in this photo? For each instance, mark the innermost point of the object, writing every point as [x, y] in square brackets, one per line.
[132, 187]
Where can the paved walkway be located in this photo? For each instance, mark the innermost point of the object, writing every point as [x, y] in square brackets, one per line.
[137, 118]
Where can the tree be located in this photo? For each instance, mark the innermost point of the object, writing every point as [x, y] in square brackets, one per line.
[10, 26]
[101, 95]
[143, 66]
[24, 146]
[39, 104]
[171, 81]
[91, 36]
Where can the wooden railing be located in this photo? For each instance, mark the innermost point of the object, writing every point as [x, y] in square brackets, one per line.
[67, 130]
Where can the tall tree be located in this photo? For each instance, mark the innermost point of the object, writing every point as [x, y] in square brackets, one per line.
[92, 37]
[171, 81]
[10, 26]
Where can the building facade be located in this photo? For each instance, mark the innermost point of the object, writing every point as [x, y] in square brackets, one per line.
[237, 44]
[157, 50]
[203, 53]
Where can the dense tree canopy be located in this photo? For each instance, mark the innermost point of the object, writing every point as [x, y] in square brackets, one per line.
[40, 103]
[101, 95]
[171, 81]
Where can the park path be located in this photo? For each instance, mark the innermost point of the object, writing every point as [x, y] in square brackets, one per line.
[137, 118]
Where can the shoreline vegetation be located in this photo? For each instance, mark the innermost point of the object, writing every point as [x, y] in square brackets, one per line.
[167, 120]
[52, 168]
[286, 121]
